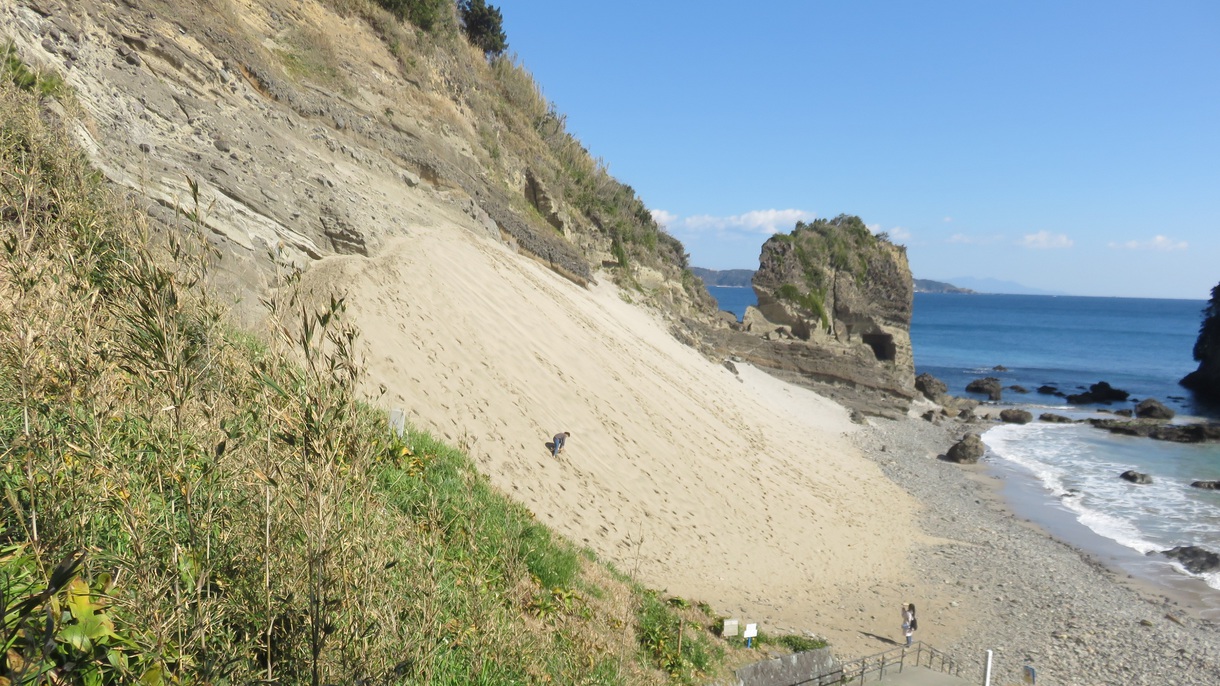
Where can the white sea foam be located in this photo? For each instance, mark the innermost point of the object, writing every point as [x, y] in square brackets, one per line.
[1080, 466]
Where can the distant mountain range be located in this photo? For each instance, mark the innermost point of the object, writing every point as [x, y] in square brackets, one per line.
[930, 286]
[735, 278]
[998, 286]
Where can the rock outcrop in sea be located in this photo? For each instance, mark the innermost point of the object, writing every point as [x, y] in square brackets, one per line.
[1205, 381]
[834, 313]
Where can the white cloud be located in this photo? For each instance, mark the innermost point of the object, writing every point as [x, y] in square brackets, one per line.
[1158, 242]
[967, 239]
[948, 220]
[765, 222]
[1045, 240]
[898, 233]
[663, 218]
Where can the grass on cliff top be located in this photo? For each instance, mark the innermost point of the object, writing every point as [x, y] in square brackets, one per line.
[185, 503]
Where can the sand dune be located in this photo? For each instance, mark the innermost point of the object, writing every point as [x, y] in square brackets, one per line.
[742, 491]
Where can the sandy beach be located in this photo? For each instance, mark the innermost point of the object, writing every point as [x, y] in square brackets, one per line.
[755, 496]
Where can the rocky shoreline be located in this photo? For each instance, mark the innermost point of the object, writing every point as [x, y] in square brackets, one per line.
[1030, 598]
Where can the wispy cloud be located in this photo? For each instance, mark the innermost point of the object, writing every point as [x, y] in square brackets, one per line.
[1158, 242]
[765, 222]
[1045, 240]
[948, 220]
[967, 239]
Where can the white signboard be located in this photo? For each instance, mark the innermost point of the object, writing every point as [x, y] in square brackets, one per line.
[751, 631]
[730, 627]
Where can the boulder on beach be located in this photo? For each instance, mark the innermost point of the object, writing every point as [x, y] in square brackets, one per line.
[1135, 477]
[1151, 408]
[990, 386]
[1195, 559]
[1015, 416]
[932, 388]
[1206, 485]
[966, 451]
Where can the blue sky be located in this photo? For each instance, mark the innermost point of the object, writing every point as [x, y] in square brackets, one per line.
[1068, 146]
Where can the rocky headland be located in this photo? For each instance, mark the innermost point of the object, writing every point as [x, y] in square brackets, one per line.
[834, 314]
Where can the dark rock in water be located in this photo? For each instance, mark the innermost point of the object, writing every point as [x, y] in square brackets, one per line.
[1135, 477]
[1206, 485]
[967, 451]
[1013, 416]
[1151, 408]
[1054, 418]
[1158, 430]
[1195, 559]
[999, 368]
[932, 388]
[1123, 413]
[1018, 389]
[990, 386]
[1100, 392]
[1048, 390]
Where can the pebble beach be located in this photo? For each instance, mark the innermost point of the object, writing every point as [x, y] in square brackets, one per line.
[1014, 589]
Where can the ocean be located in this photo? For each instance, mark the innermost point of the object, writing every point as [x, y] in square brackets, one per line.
[733, 299]
[1064, 477]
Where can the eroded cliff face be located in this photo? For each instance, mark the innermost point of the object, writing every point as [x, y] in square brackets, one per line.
[320, 127]
[1205, 381]
[834, 313]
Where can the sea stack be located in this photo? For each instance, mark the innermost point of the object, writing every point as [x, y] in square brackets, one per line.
[1205, 381]
[834, 313]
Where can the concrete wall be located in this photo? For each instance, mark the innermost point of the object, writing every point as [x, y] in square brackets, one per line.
[789, 669]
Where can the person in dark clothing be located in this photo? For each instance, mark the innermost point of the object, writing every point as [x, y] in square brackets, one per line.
[559, 441]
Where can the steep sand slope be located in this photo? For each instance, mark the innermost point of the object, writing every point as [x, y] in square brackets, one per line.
[743, 492]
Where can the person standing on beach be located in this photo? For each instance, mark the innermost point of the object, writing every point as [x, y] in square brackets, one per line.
[558, 442]
[908, 621]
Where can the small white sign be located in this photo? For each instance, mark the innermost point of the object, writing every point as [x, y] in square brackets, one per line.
[751, 631]
[730, 627]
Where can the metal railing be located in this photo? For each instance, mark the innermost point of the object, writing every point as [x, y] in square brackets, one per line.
[863, 669]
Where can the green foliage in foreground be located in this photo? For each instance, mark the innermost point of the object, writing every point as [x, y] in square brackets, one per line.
[186, 504]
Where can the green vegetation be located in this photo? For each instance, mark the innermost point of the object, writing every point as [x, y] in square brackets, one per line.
[190, 504]
[16, 72]
[484, 26]
[428, 15]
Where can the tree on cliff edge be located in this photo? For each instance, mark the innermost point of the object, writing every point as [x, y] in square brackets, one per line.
[484, 26]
